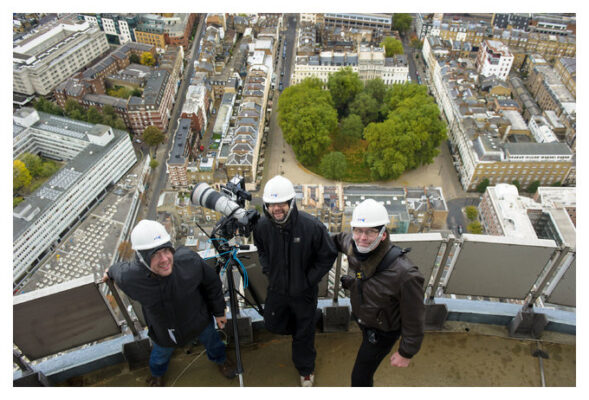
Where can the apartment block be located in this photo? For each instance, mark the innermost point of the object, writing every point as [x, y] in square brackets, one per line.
[178, 161]
[119, 28]
[95, 157]
[368, 63]
[494, 59]
[43, 60]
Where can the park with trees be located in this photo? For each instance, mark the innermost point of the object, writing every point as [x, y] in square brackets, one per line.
[359, 132]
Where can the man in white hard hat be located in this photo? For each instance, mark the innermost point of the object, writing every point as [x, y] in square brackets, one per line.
[386, 292]
[295, 252]
[179, 296]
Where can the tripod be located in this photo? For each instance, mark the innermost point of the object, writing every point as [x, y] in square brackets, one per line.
[227, 260]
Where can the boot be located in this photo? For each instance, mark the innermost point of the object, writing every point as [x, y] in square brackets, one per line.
[155, 381]
[228, 369]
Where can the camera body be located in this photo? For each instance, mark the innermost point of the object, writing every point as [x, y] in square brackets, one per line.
[230, 202]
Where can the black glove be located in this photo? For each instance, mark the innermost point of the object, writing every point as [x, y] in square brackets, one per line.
[347, 281]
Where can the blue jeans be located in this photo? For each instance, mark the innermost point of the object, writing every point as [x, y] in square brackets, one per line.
[160, 356]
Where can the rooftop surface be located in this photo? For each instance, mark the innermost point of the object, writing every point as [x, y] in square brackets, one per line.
[463, 355]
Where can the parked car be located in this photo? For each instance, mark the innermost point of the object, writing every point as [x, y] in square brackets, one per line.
[460, 229]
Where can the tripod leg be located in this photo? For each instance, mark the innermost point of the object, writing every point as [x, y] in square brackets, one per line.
[234, 316]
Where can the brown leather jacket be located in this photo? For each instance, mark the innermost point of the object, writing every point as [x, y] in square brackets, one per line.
[391, 299]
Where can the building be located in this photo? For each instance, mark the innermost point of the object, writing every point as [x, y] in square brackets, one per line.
[490, 140]
[514, 21]
[372, 21]
[119, 28]
[551, 214]
[162, 30]
[96, 157]
[368, 63]
[494, 58]
[178, 161]
[154, 107]
[42, 61]
[503, 212]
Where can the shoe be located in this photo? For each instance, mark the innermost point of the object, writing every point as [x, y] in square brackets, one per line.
[228, 369]
[155, 381]
[307, 381]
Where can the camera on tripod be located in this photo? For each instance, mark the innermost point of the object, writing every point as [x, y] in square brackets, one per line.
[231, 203]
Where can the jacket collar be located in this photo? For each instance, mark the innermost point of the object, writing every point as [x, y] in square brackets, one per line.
[368, 266]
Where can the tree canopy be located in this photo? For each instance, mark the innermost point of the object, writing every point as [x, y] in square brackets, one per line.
[344, 85]
[147, 59]
[408, 138]
[152, 135]
[333, 165]
[21, 176]
[392, 46]
[307, 117]
[352, 126]
[402, 22]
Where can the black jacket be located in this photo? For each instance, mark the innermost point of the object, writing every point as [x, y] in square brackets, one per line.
[295, 256]
[391, 299]
[182, 303]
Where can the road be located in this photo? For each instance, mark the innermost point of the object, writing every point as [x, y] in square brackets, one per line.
[160, 175]
[455, 215]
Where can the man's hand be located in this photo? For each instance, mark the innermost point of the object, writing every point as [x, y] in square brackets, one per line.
[221, 321]
[398, 360]
[347, 281]
[105, 277]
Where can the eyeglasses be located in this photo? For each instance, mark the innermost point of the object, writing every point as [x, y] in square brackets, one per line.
[280, 205]
[369, 232]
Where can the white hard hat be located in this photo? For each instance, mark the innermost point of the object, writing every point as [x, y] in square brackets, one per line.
[148, 234]
[368, 214]
[278, 190]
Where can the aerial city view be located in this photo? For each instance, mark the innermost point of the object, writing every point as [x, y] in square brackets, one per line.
[384, 199]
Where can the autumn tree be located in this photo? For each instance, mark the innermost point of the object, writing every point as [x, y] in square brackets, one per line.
[307, 117]
[21, 176]
[471, 212]
[392, 46]
[147, 59]
[153, 136]
[475, 227]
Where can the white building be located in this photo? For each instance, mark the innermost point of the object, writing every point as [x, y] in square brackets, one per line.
[503, 212]
[97, 156]
[541, 131]
[368, 63]
[44, 60]
[494, 58]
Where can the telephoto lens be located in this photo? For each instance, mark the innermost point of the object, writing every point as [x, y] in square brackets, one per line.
[204, 196]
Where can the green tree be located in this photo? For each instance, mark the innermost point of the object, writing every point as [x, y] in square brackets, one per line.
[471, 212]
[402, 23]
[307, 117]
[533, 187]
[147, 59]
[556, 184]
[392, 46]
[17, 200]
[482, 186]
[366, 107]
[343, 86]
[137, 92]
[119, 124]
[33, 163]
[408, 138]
[352, 126]
[93, 115]
[475, 227]
[154, 164]
[516, 183]
[134, 59]
[48, 169]
[376, 89]
[152, 136]
[21, 176]
[107, 109]
[71, 106]
[333, 165]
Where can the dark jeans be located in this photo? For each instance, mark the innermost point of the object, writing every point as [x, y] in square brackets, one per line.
[371, 354]
[160, 356]
[295, 315]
